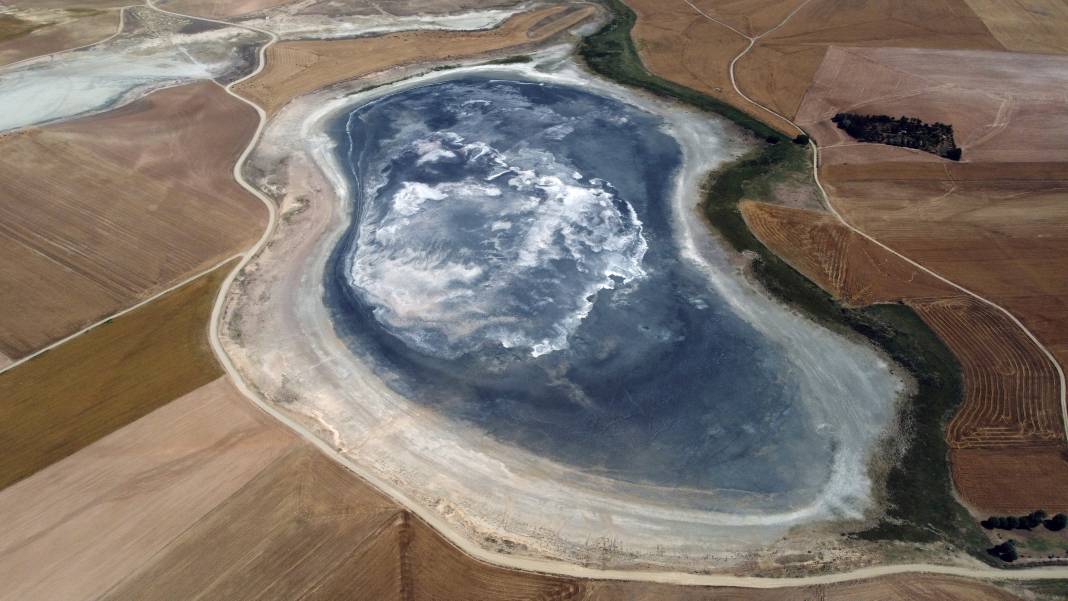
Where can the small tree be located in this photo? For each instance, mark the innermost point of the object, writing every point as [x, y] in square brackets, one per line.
[1057, 522]
[953, 154]
[1006, 551]
[801, 139]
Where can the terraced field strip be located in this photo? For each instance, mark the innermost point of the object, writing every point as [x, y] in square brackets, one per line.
[1010, 388]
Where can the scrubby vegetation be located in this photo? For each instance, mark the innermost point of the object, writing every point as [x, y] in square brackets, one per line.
[908, 132]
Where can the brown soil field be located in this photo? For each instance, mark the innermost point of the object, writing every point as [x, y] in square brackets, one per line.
[26, 33]
[82, 390]
[208, 498]
[997, 229]
[679, 44]
[299, 67]
[1012, 481]
[79, 527]
[1003, 107]
[218, 9]
[1011, 401]
[1010, 388]
[780, 68]
[1026, 25]
[98, 213]
[846, 265]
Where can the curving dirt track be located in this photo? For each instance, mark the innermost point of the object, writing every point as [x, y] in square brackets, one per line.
[296, 68]
[114, 211]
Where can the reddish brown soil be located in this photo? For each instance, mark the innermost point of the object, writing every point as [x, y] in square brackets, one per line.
[98, 213]
[1012, 481]
[848, 266]
[296, 68]
[1010, 388]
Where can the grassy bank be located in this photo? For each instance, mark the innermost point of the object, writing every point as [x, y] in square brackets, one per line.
[921, 504]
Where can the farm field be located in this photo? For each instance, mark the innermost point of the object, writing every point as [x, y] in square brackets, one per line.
[1025, 25]
[846, 265]
[136, 468]
[299, 67]
[33, 30]
[79, 392]
[118, 207]
[209, 497]
[1004, 107]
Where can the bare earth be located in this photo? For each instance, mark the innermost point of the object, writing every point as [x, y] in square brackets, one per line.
[57, 29]
[209, 498]
[1026, 25]
[119, 206]
[1004, 107]
[296, 68]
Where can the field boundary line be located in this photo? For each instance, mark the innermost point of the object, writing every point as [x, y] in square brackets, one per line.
[834, 211]
[105, 320]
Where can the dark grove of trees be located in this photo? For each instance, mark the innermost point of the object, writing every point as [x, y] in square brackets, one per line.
[1006, 551]
[908, 132]
[1026, 522]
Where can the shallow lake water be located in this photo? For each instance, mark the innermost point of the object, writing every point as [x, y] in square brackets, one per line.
[512, 262]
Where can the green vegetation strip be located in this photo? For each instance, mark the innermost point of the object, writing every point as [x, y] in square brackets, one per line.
[919, 490]
[84, 389]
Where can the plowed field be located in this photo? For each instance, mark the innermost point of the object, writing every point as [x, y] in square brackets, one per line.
[101, 212]
[846, 265]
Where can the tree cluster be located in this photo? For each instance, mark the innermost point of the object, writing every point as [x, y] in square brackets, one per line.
[1026, 522]
[1006, 551]
[907, 132]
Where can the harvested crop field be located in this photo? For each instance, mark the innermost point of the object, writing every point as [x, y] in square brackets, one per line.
[98, 213]
[84, 389]
[1012, 481]
[679, 44]
[79, 527]
[30, 32]
[296, 68]
[846, 265]
[1010, 387]
[1026, 25]
[780, 68]
[1003, 107]
[207, 497]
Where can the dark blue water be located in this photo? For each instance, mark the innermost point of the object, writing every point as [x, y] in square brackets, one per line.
[511, 263]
